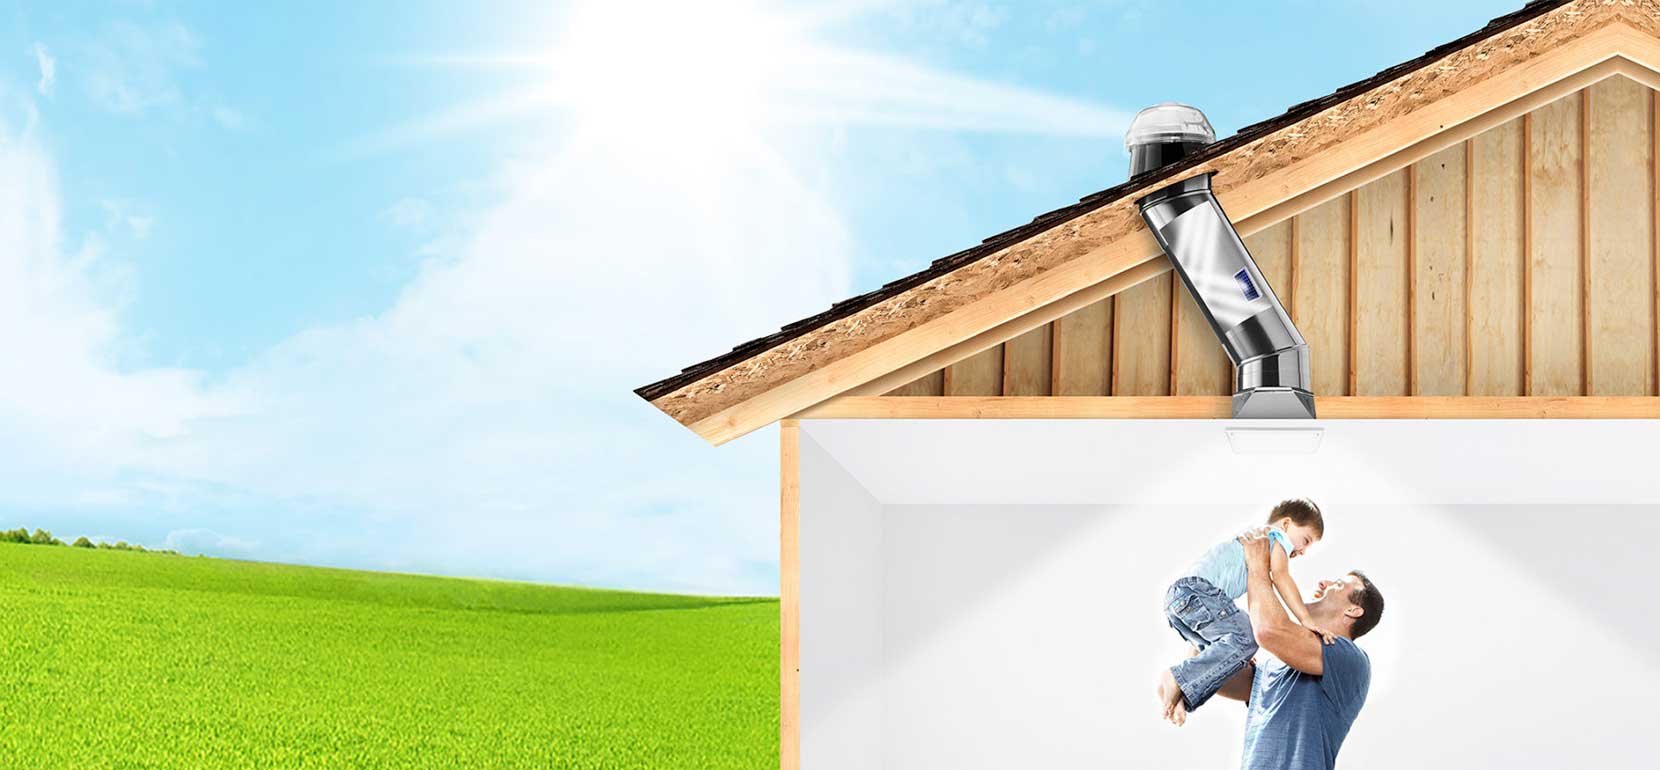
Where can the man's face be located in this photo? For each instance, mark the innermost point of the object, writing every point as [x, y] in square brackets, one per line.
[1337, 588]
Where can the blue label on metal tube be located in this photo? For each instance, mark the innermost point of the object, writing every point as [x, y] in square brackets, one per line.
[1250, 289]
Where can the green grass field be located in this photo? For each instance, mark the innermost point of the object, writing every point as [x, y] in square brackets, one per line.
[131, 660]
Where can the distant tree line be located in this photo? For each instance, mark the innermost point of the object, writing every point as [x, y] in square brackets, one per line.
[42, 537]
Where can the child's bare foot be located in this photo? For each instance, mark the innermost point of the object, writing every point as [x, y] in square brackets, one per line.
[1170, 697]
[1178, 717]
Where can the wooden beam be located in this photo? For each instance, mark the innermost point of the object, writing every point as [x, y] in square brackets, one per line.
[1219, 408]
[789, 595]
[1112, 374]
[1654, 232]
[1059, 262]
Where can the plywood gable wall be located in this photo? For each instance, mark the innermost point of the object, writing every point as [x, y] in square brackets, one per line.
[1520, 262]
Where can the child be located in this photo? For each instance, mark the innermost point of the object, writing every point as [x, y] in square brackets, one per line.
[1200, 606]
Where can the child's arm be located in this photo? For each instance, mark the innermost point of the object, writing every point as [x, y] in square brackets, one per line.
[1280, 574]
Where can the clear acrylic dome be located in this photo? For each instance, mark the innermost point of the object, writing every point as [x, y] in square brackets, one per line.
[1169, 122]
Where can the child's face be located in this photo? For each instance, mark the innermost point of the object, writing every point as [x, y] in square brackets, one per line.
[1300, 535]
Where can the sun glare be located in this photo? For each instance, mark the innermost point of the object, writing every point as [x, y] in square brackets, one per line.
[668, 75]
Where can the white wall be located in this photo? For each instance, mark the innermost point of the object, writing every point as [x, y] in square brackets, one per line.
[1030, 636]
[841, 600]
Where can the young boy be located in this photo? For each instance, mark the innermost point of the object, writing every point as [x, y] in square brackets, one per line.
[1200, 606]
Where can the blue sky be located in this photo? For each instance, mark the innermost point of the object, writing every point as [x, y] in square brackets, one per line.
[368, 284]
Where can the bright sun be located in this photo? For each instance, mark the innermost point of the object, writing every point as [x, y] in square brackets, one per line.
[683, 76]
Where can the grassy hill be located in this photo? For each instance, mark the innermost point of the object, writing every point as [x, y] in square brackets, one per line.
[112, 659]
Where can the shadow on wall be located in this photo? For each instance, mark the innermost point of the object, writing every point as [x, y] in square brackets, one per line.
[1601, 559]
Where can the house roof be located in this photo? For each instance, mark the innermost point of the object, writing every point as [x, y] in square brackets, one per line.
[1261, 165]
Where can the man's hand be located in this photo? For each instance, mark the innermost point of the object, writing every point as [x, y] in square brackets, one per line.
[1257, 545]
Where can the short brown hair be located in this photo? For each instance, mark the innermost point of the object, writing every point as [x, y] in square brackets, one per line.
[1301, 511]
[1370, 602]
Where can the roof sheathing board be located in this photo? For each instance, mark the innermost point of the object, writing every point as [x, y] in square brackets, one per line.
[1067, 234]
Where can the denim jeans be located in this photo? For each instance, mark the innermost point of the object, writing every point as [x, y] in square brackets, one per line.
[1205, 616]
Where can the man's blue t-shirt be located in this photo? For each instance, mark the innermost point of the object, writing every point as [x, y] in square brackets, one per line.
[1296, 721]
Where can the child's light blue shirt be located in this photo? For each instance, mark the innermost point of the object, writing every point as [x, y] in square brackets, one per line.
[1224, 565]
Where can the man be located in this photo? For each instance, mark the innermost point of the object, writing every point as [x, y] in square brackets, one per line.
[1302, 699]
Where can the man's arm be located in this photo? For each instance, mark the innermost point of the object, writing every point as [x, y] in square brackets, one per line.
[1298, 647]
[1279, 571]
[1238, 686]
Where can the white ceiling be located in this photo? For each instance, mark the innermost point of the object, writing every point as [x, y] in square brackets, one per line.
[1189, 461]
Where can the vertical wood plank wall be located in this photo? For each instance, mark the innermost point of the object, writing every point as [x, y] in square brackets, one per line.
[1524, 261]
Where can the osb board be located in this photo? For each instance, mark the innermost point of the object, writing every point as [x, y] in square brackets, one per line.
[1244, 169]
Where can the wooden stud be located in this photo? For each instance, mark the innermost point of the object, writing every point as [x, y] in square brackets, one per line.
[1654, 231]
[1585, 242]
[1055, 357]
[1218, 407]
[1354, 291]
[1411, 279]
[1112, 376]
[1469, 257]
[1527, 254]
[789, 594]
[1176, 292]
[1291, 298]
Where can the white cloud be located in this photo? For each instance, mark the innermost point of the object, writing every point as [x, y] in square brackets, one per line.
[48, 70]
[70, 416]
[131, 68]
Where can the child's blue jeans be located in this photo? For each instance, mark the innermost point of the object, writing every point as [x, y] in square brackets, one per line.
[1205, 616]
